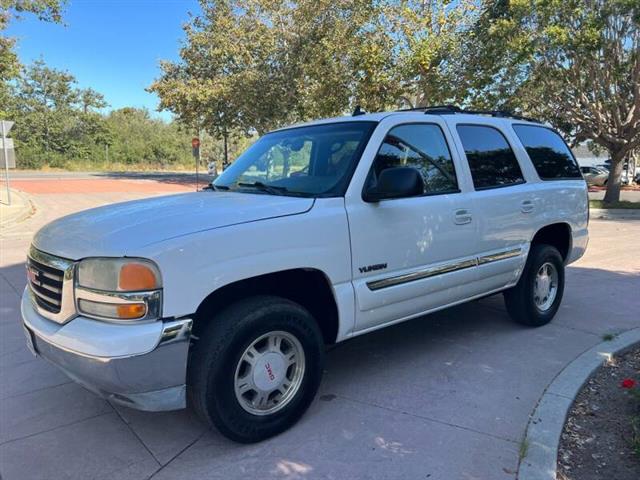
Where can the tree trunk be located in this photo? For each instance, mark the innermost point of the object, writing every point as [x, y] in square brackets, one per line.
[612, 194]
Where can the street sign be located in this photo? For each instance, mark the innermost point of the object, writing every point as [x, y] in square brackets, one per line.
[5, 126]
[10, 153]
[195, 148]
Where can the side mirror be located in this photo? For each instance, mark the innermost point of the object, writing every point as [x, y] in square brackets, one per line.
[396, 182]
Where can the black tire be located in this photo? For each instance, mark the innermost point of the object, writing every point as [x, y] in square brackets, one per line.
[520, 299]
[215, 357]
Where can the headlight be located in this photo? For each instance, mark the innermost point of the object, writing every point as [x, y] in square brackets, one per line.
[118, 274]
[118, 289]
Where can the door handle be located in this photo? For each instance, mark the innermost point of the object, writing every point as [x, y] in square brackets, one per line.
[462, 217]
[527, 206]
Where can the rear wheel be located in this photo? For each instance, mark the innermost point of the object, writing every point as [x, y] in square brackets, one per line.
[256, 368]
[536, 298]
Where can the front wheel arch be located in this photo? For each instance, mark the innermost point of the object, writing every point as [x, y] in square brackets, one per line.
[308, 287]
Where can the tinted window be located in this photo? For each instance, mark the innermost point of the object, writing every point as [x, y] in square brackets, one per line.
[491, 160]
[422, 147]
[549, 154]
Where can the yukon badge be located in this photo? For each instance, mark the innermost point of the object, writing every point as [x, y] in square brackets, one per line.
[373, 268]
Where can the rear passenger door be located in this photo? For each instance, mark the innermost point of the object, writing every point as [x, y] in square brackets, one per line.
[503, 202]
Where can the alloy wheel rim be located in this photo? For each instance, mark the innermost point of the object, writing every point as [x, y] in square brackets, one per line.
[545, 286]
[269, 373]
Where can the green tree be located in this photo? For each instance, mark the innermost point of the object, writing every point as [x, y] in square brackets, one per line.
[45, 10]
[60, 125]
[46, 100]
[429, 39]
[574, 63]
[256, 64]
[90, 99]
[249, 66]
[137, 139]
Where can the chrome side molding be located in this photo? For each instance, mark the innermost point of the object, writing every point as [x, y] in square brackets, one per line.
[494, 257]
[441, 269]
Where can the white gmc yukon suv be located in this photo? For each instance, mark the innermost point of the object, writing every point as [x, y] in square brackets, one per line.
[316, 234]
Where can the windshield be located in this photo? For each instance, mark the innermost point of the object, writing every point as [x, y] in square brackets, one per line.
[307, 161]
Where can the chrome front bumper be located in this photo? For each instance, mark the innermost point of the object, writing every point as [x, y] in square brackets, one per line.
[141, 366]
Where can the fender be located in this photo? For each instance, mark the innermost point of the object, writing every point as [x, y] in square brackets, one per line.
[207, 261]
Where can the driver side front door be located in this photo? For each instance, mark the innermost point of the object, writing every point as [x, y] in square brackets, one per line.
[412, 255]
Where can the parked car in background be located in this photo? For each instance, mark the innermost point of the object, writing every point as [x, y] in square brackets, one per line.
[625, 178]
[316, 234]
[595, 176]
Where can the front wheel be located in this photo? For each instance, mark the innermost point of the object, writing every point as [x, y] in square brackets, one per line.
[536, 297]
[256, 368]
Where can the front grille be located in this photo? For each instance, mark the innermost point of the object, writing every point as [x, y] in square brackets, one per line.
[45, 282]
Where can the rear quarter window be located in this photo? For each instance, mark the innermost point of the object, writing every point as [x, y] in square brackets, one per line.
[548, 152]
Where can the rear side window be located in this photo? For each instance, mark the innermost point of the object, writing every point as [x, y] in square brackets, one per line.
[491, 160]
[549, 154]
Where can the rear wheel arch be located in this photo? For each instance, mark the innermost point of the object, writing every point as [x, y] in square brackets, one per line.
[557, 235]
[308, 287]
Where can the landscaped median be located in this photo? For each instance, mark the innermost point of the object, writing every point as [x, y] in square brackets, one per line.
[601, 438]
[540, 447]
[618, 210]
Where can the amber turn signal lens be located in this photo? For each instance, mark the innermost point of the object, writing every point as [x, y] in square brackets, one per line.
[132, 310]
[125, 311]
[136, 276]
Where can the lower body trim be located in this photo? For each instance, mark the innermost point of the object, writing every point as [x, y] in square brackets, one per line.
[441, 269]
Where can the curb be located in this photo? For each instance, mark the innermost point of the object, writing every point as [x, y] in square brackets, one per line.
[546, 423]
[28, 209]
[614, 213]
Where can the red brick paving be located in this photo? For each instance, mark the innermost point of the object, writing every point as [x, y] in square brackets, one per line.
[100, 185]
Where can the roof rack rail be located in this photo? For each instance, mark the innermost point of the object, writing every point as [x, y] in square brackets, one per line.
[358, 111]
[431, 109]
[501, 114]
[453, 109]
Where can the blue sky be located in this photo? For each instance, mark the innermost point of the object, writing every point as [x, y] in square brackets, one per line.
[112, 46]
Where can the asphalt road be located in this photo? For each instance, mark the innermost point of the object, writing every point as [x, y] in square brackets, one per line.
[18, 178]
[445, 397]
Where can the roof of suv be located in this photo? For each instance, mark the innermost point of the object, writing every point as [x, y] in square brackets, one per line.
[460, 115]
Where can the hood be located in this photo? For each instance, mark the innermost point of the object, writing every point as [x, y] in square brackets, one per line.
[118, 229]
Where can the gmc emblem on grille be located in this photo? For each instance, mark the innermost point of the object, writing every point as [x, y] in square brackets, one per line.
[32, 275]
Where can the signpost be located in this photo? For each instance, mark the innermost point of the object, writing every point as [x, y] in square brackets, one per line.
[195, 150]
[5, 126]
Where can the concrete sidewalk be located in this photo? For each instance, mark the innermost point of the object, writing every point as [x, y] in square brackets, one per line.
[446, 396]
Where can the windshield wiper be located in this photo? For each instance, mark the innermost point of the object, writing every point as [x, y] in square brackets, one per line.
[272, 189]
[218, 187]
